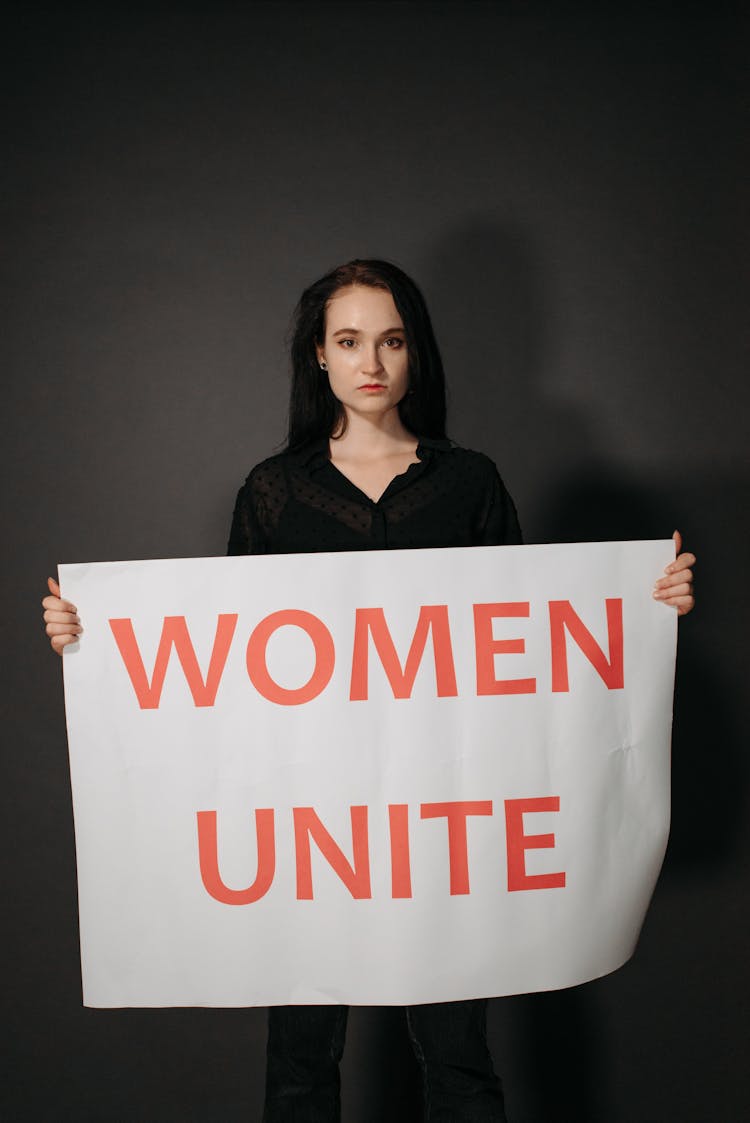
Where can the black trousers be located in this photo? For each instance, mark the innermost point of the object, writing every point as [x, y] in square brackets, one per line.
[306, 1043]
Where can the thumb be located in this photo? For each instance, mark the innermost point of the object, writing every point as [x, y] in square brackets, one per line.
[677, 542]
[53, 587]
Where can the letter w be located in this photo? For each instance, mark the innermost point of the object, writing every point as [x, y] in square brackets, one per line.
[372, 621]
[174, 632]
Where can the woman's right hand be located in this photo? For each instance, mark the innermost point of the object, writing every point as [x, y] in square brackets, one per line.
[61, 618]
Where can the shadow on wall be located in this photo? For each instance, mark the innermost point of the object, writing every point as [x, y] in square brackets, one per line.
[496, 326]
[497, 330]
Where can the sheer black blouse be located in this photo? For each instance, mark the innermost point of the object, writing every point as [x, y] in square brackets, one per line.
[299, 502]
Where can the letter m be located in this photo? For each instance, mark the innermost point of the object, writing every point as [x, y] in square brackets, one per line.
[174, 633]
[371, 621]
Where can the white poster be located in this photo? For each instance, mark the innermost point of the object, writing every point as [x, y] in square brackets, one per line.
[373, 778]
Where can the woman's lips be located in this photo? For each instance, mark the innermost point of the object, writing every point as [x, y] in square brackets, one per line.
[372, 387]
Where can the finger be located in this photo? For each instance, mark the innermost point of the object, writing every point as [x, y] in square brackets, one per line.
[51, 616]
[677, 538]
[684, 561]
[668, 595]
[53, 587]
[59, 642]
[682, 603]
[63, 629]
[58, 605]
[679, 577]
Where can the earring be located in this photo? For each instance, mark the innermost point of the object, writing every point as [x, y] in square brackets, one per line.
[323, 364]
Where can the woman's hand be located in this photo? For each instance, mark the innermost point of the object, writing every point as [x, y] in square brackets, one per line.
[61, 618]
[677, 586]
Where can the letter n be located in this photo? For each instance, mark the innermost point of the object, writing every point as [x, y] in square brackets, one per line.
[355, 876]
[562, 615]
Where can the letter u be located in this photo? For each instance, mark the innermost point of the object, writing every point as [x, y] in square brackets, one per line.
[208, 856]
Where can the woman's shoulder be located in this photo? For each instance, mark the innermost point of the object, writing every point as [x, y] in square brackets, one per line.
[269, 472]
[468, 460]
[476, 475]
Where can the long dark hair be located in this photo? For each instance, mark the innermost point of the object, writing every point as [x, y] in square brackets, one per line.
[314, 413]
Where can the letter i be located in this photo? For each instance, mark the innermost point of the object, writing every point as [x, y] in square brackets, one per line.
[398, 816]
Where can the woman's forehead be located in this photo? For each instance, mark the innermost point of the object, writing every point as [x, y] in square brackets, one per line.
[362, 307]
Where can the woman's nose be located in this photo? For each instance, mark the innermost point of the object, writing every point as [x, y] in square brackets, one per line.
[371, 359]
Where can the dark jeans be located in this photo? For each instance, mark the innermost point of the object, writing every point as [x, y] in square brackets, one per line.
[305, 1045]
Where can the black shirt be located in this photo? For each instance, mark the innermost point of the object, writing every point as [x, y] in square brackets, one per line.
[300, 503]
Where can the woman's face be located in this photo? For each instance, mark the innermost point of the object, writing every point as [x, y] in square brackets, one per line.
[365, 350]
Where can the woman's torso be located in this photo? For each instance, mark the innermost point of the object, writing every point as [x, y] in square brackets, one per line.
[298, 502]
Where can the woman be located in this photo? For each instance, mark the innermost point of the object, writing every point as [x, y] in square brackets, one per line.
[368, 466]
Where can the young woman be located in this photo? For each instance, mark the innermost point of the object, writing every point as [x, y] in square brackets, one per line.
[368, 467]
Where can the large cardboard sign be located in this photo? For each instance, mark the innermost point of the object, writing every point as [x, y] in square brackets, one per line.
[391, 777]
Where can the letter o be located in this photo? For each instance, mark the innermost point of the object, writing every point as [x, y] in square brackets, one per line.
[325, 657]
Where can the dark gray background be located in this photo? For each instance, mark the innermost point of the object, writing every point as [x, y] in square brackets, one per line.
[565, 186]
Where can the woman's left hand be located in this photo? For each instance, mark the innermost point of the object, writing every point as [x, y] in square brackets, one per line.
[676, 587]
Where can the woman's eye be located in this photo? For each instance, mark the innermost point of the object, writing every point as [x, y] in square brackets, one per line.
[347, 343]
[394, 343]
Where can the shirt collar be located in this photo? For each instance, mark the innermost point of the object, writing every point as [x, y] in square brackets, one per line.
[434, 444]
[315, 453]
[312, 453]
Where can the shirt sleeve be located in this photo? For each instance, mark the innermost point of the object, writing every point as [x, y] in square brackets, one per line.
[501, 526]
[245, 535]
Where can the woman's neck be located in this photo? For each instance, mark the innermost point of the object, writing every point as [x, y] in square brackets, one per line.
[370, 438]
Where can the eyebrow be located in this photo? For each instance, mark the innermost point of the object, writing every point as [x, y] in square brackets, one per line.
[356, 331]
